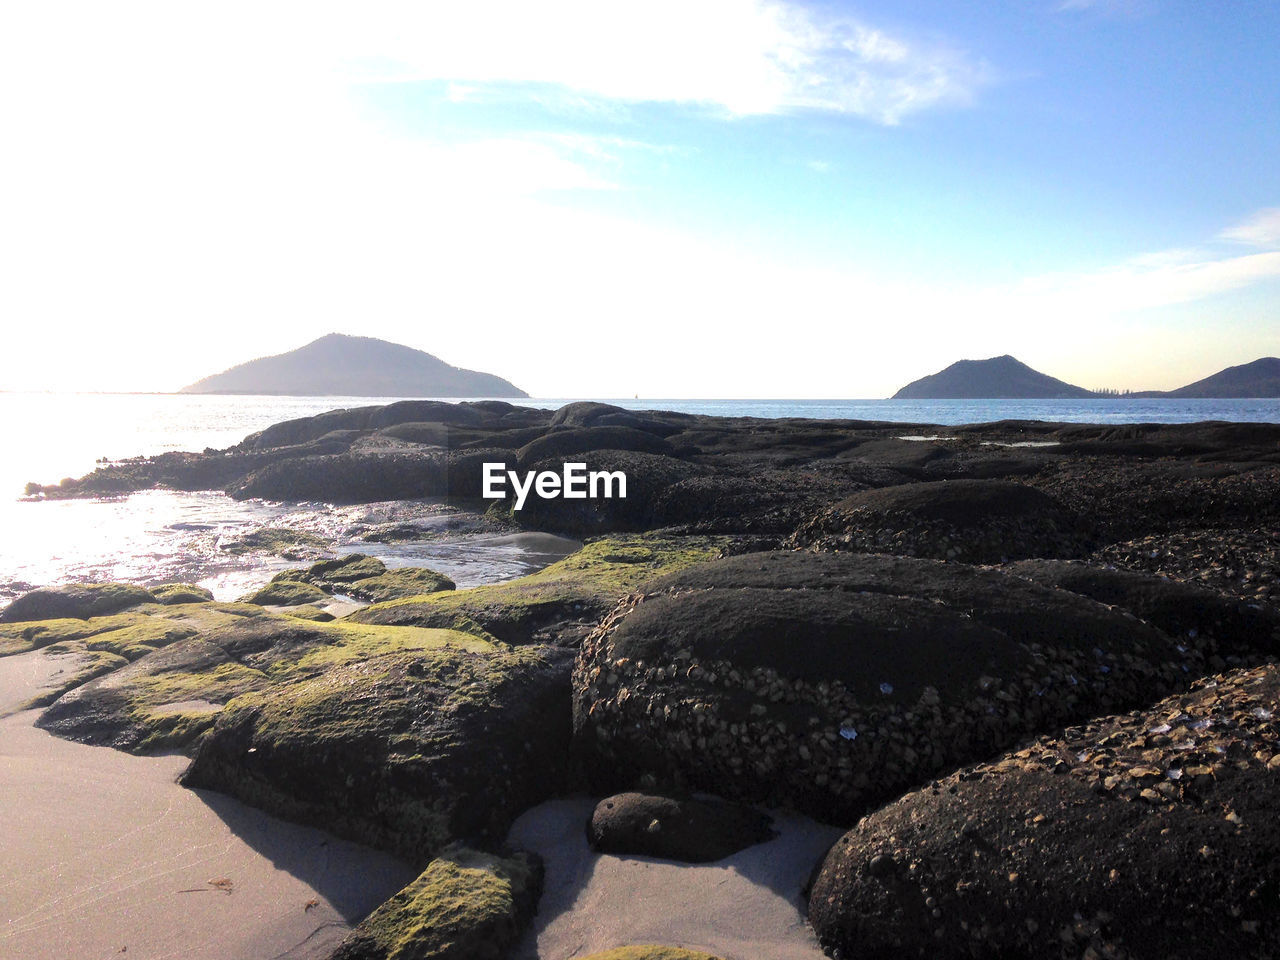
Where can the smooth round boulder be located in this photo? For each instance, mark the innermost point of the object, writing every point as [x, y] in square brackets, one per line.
[973, 521]
[691, 830]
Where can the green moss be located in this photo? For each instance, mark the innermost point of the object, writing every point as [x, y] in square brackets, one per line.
[350, 642]
[138, 639]
[309, 612]
[466, 905]
[32, 635]
[581, 586]
[399, 583]
[651, 952]
[282, 541]
[169, 593]
[287, 593]
[348, 569]
[79, 600]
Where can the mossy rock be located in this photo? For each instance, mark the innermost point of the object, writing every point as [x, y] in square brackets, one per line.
[346, 569]
[181, 593]
[287, 593]
[561, 602]
[79, 600]
[281, 541]
[309, 612]
[650, 952]
[406, 750]
[400, 583]
[188, 661]
[466, 905]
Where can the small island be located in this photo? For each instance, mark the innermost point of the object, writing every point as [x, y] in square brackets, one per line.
[338, 365]
[1007, 378]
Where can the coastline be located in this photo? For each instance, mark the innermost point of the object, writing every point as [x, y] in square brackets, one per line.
[822, 618]
[106, 855]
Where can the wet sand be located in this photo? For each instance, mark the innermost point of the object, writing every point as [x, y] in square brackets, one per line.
[104, 855]
[745, 907]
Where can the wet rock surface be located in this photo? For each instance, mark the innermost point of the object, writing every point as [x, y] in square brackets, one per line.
[1146, 835]
[688, 829]
[828, 682]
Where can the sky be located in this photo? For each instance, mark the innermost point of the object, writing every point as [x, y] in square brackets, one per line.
[704, 198]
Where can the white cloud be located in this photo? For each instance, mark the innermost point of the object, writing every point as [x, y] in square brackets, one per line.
[743, 56]
[1260, 230]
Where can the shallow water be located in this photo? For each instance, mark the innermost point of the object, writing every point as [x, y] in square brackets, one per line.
[164, 536]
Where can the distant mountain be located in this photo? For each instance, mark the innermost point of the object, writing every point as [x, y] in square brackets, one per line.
[999, 378]
[339, 365]
[1258, 379]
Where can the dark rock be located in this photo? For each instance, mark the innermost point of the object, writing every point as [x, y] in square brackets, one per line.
[1220, 625]
[649, 477]
[828, 682]
[1146, 835]
[347, 478]
[694, 831]
[974, 521]
[79, 600]
[584, 413]
[586, 440]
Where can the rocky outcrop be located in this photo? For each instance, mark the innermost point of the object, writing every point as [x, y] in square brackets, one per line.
[1146, 835]
[559, 604]
[691, 830]
[974, 521]
[405, 751]
[828, 682]
[79, 600]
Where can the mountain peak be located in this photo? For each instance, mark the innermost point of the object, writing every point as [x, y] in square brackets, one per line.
[997, 378]
[340, 364]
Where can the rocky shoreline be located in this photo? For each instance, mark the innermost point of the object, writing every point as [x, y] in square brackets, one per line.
[992, 655]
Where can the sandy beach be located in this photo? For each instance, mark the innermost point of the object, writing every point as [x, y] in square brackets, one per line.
[744, 907]
[104, 855]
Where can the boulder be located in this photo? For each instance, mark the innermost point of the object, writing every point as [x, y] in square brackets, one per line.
[1151, 834]
[170, 593]
[1226, 627]
[562, 444]
[691, 830]
[405, 751]
[78, 600]
[829, 682]
[466, 905]
[584, 413]
[649, 478]
[347, 478]
[974, 521]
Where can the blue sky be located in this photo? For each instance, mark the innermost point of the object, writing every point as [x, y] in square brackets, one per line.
[665, 199]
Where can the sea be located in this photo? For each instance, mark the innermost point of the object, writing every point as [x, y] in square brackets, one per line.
[165, 536]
